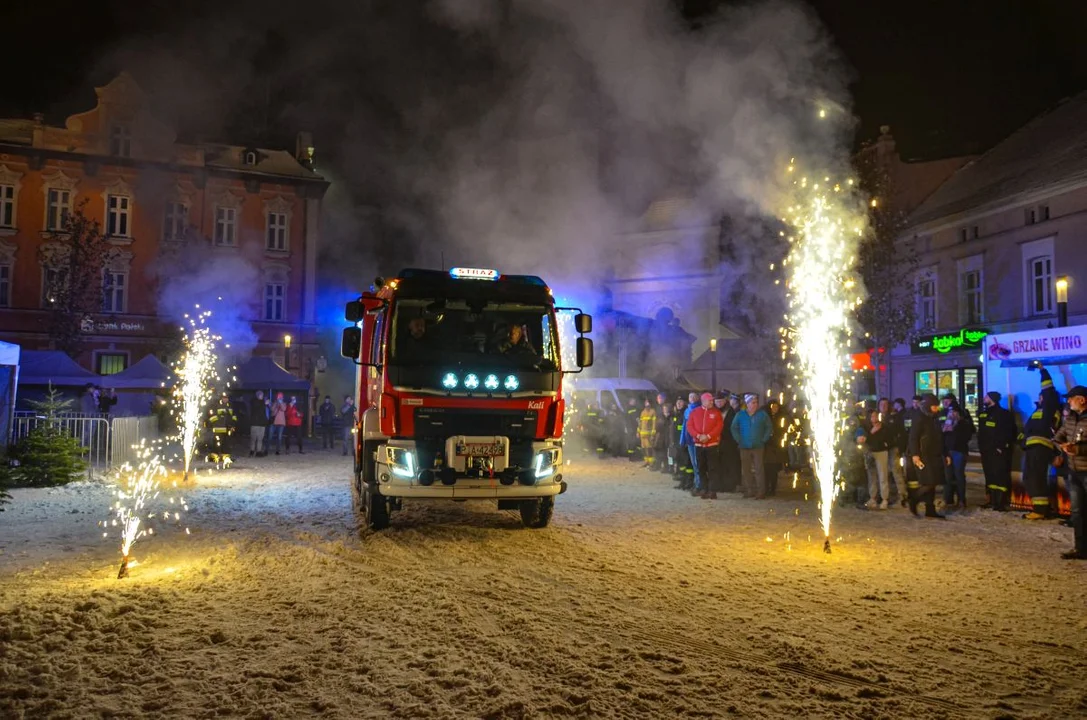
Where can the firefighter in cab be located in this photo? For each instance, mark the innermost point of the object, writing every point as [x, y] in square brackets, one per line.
[222, 424]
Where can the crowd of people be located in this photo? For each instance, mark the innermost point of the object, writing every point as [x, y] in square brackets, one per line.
[710, 443]
[277, 424]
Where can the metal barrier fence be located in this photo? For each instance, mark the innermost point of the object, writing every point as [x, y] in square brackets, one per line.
[107, 442]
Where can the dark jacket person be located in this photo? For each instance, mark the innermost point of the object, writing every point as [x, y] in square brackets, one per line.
[926, 448]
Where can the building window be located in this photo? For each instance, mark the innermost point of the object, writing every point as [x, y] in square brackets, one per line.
[53, 284]
[120, 140]
[58, 205]
[175, 221]
[1041, 285]
[963, 237]
[118, 215]
[273, 302]
[114, 285]
[5, 285]
[111, 363]
[7, 206]
[971, 297]
[277, 231]
[1043, 213]
[1030, 216]
[226, 220]
[975, 232]
[926, 314]
[250, 158]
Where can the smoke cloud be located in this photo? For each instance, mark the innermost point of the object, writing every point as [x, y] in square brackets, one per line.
[530, 135]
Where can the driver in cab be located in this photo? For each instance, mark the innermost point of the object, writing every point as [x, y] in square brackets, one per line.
[415, 344]
[516, 343]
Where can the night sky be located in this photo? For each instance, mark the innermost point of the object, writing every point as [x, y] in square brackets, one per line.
[948, 75]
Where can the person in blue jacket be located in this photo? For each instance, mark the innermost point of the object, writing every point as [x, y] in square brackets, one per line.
[752, 430]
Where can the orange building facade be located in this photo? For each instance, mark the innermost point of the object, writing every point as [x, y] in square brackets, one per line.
[158, 200]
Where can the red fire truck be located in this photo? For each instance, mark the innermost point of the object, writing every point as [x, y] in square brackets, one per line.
[459, 391]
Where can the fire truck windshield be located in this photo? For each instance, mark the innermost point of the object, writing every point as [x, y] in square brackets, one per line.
[439, 331]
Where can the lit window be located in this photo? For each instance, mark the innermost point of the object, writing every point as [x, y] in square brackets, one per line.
[7, 206]
[111, 363]
[273, 302]
[926, 290]
[971, 296]
[175, 221]
[118, 215]
[58, 205]
[54, 286]
[226, 220]
[5, 285]
[120, 140]
[114, 285]
[277, 231]
[1041, 285]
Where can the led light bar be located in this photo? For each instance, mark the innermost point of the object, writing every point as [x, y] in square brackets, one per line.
[471, 381]
[511, 383]
[449, 381]
[491, 382]
[474, 273]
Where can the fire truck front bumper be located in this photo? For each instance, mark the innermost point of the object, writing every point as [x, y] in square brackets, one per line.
[471, 489]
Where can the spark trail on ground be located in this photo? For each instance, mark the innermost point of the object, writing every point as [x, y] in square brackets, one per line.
[825, 227]
[196, 378]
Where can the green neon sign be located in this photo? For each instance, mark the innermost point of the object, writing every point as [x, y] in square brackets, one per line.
[964, 339]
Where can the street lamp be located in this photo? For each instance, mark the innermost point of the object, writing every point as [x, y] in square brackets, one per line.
[1062, 301]
[287, 351]
[713, 365]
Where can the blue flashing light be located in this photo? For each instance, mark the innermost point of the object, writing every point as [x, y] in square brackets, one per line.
[474, 273]
[471, 381]
[491, 382]
[449, 381]
[511, 383]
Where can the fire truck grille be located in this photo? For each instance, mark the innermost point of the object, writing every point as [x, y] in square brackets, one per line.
[443, 422]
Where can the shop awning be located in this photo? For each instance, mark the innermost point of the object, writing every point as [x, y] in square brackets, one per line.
[1059, 360]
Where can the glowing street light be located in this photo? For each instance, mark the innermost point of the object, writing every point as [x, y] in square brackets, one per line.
[1062, 301]
[713, 365]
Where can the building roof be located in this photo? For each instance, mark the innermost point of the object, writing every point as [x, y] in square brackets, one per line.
[263, 373]
[147, 374]
[1048, 154]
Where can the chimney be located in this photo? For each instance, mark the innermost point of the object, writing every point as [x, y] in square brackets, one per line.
[304, 150]
[39, 130]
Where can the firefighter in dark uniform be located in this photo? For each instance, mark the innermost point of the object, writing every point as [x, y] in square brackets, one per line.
[926, 449]
[595, 431]
[1038, 446]
[663, 409]
[996, 441]
[222, 422]
[910, 416]
[632, 444]
[728, 450]
[684, 471]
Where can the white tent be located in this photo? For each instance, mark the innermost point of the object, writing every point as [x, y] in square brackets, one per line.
[9, 381]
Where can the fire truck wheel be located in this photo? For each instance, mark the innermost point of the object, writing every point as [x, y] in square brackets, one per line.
[370, 508]
[537, 513]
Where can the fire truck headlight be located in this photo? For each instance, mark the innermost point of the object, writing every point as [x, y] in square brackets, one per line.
[401, 461]
[471, 381]
[511, 383]
[449, 381]
[546, 460]
[491, 382]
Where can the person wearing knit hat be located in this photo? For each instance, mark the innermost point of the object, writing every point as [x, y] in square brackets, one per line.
[751, 430]
[926, 450]
[705, 425]
[997, 434]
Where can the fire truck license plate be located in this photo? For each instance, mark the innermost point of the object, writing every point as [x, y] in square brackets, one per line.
[481, 449]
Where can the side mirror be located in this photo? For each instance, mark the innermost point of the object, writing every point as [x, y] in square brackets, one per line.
[351, 343]
[584, 324]
[584, 350]
[357, 309]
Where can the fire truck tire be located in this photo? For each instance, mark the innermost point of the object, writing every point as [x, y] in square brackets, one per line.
[370, 507]
[537, 513]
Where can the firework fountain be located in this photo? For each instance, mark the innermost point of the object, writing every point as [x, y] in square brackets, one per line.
[826, 221]
[137, 486]
[196, 377]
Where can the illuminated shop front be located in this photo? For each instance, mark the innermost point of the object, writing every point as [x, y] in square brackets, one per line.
[940, 363]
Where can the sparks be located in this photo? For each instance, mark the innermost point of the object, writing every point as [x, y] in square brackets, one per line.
[196, 374]
[137, 486]
[826, 226]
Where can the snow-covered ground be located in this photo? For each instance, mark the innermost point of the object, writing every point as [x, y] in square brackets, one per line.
[638, 602]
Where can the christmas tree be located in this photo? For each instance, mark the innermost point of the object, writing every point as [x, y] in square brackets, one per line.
[48, 455]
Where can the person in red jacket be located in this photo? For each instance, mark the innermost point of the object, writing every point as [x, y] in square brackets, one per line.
[294, 426]
[704, 426]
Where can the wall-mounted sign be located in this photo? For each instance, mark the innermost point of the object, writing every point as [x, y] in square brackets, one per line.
[962, 339]
[89, 325]
[1038, 344]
